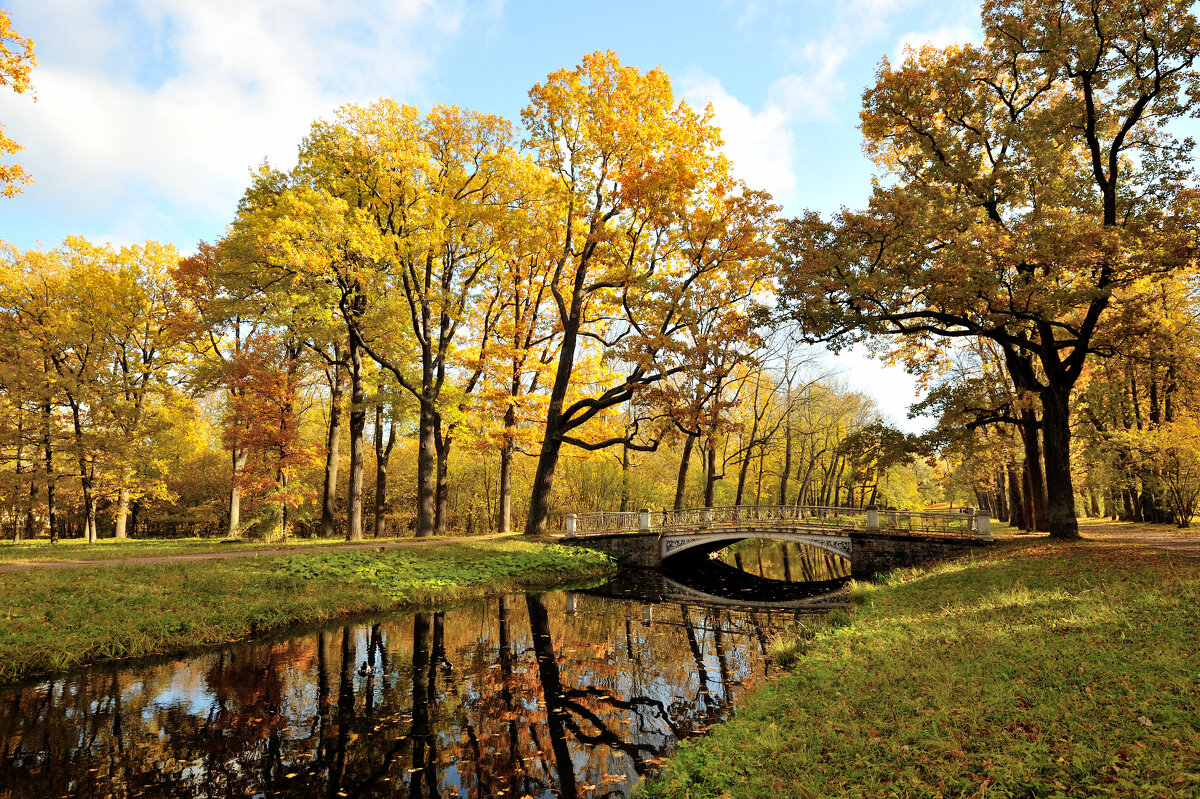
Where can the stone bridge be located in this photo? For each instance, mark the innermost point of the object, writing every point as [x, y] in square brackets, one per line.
[872, 540]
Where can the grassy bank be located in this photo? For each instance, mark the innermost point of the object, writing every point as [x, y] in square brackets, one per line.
[38, 550]
[1031, 670]
[61, 618]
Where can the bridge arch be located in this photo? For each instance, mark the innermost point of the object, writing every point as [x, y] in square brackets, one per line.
[672, 545]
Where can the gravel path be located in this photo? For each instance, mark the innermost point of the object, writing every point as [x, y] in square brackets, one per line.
[236, 553]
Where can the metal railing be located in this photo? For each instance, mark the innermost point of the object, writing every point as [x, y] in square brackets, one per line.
[953, 524]
[614, 521]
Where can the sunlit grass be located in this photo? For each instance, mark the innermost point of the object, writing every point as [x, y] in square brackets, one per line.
[1033, 669]
[80, 549]
[59, 618]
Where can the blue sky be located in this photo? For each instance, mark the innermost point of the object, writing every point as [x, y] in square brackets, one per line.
[149, 114]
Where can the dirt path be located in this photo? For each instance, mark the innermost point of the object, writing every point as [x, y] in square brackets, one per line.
[1185, 543]
[237, 553]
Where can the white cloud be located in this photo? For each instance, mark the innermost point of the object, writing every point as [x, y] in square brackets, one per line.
[760, 143]
[943, 36]
[170, 103]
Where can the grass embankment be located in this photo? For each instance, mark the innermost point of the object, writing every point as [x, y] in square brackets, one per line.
[1032, 670]
[53, 620]
[37, 550]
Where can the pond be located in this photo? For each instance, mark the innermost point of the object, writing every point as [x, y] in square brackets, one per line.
[553, 694]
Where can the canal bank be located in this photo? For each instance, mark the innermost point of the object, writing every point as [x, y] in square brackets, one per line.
[1036, 669]
[62, 618]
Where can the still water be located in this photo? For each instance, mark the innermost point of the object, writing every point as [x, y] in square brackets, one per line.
[555, 694]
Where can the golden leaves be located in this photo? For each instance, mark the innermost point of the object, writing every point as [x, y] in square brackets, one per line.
[16, 60]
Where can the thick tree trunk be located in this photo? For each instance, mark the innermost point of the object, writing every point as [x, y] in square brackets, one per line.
[235, 493]
[85, 476]
[504, 505]
[1033, 463]
[333, 441]
[684, 462]
[1060, 496]
[358, 424]
[426, 473]
[121, 520]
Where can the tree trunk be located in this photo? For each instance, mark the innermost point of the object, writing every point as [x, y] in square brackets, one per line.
[426, 477]
[1001, 500]
[122, 516]
[358, 424]
[504, 506]
[742, 472]
[710, 477]
[1060, 496]
[684, 462]
[1035, 484]
[235, 493]
[85, 475]
[383, 455]
[441, 496]
[625, 477]
[786, 472]
[333, 441]
[281, 479]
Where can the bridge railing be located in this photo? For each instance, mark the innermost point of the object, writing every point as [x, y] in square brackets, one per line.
[952, 524]
[604, 522]
[965, 524]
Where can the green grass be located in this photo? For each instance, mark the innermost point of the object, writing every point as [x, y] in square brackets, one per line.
[1031, 670]
[56, 619]
[79, 549]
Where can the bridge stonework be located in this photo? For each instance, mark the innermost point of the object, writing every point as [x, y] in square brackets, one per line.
[869, 553]
[873, 541]
[874, 553]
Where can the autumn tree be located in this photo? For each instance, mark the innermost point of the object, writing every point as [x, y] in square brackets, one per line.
[1028, 179]
[149, 328]
[228, 319]
[311, 258]
[430, 189]
[264, 423]
[16, 61]
[628, 164]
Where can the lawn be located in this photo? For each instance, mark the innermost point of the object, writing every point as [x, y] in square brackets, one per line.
[80, 549]
[1035, 669]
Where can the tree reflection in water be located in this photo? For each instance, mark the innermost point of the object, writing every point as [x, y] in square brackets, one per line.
[503, 699]
[780, 560]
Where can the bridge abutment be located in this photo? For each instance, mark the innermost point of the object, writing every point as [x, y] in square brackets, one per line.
[874, 553]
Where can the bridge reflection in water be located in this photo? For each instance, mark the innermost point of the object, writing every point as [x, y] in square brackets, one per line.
[557, 694]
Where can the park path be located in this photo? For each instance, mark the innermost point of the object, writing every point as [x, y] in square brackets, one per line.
[236, 553]
[1156, 536]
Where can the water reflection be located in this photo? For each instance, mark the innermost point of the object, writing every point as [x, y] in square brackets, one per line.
[545, 695]
[783, 560]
